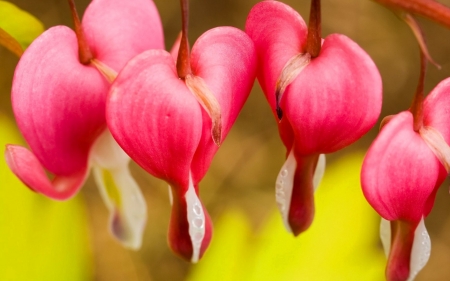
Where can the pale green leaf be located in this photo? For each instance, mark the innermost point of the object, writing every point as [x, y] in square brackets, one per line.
[20, 24]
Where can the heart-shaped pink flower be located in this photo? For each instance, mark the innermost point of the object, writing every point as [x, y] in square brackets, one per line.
[158, 119]
[59, 99]
[327, 101]
[400, 176]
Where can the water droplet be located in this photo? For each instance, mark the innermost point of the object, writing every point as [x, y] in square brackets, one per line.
[281, 182]
[284, 173]
[198, 222]
[198, 237]
[197, 209]
[279, 186]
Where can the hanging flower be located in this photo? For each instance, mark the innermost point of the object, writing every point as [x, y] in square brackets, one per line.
[403, 170]
[326, 94]
[171, 119]
[58, 96]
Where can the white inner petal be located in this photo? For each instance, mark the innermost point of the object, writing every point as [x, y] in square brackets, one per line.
[385, 235]
[196, 219]
[285, 184]
[120, 192]
[421, 248]
[319, 172]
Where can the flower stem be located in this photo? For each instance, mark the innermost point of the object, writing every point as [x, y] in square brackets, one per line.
[314, 41]
[417, 103]
[84, 53]
[183, 60]
[427, 8]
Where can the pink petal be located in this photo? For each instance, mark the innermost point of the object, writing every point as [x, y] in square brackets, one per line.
[436, 109]
[118, 30]
[400, 173]
[154, 117]
[279, 33]
[59, 103]
[226, 60]
[335, 100]
[27, 168]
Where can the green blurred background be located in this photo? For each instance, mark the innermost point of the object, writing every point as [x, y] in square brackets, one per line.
[46, 240]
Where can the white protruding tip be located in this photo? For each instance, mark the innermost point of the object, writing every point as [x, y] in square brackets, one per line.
[421, 248]
[196, 219]
[284, 186]
[319, 172]
[120, 192]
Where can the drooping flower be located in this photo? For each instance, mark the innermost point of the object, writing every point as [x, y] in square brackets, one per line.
[401, 174]
[59, 99]
[326, 93]
[171, 118]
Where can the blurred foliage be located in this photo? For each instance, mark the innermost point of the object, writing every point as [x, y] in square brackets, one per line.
[342, 243]
[42, 240]
[20, 24]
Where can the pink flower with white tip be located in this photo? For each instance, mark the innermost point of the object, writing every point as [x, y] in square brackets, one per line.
[171, 119]
[326, 94]
[59, 99]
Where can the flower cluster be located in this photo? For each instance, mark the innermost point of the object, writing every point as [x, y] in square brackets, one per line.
[108, 92]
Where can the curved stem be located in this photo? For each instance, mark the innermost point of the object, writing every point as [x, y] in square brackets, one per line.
[183, 60]
[314, 41]
[427, 8]
[84, 52]
[417, 103]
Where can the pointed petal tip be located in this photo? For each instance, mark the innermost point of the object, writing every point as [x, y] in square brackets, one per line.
[216, 132]
[24, 164]
[121, 231]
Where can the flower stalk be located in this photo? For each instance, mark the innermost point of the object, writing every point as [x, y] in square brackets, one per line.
[314, 41]
[183, 60]
[84, 53]
[426, 8]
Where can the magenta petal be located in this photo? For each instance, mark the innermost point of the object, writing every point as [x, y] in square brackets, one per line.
[436, 109]
[59, 103]
[400, 172]
[118, 30]
[336, 99]
[226, 60]
[27, 168]
[154, 117]
[279, 33]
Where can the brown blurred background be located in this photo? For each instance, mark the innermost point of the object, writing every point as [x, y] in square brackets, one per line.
[244, 170]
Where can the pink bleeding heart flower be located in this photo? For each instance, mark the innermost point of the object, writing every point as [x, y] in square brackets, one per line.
[59, 99]
[401, 173]
[170, 119]
[327, 93]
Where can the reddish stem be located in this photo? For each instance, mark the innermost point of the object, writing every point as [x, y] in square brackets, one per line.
[183, 60]
[427, 8]
[84, 53]
[417, 103]
[314, 41]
